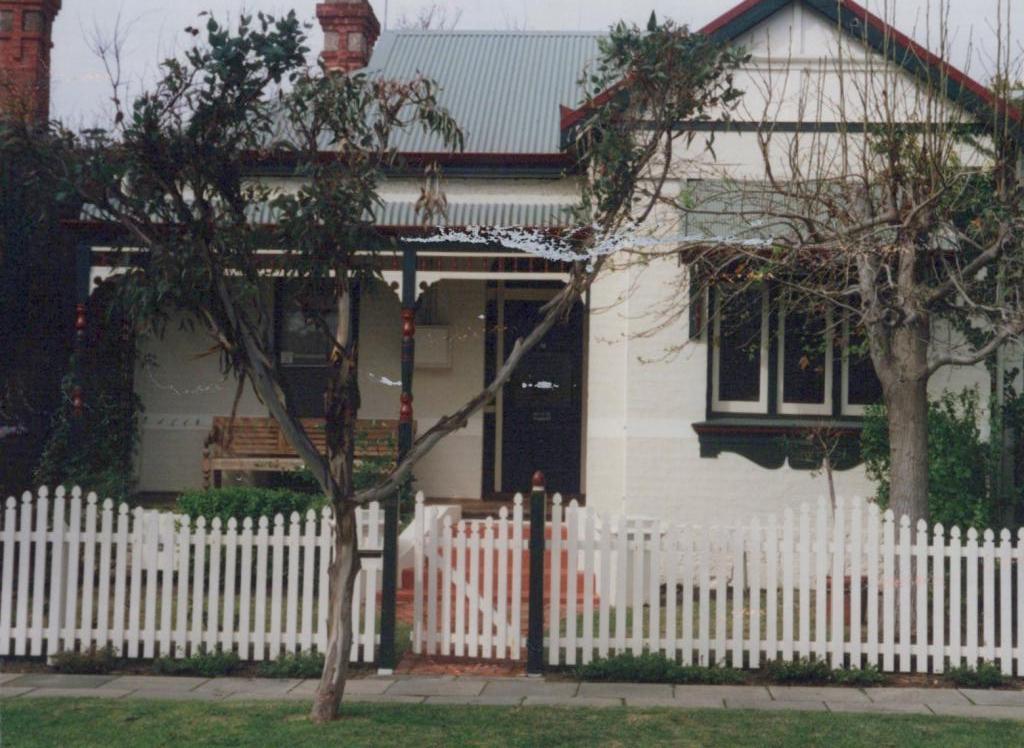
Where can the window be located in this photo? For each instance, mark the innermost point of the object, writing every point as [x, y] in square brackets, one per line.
[6, 21]
[32, 22]
[302, 343]
[860, 383]
[770, 357]
[740, 359]
[805, 362]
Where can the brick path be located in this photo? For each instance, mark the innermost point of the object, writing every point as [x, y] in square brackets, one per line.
[528, 692]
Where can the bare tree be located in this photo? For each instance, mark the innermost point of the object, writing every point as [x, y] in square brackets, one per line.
[431, 17]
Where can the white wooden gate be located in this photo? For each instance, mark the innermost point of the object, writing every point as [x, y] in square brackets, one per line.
[468, 595]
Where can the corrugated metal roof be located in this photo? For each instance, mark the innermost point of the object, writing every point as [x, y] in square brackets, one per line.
[538, 215]
[504, 88]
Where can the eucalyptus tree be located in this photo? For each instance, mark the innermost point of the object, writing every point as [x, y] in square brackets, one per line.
[172, 175]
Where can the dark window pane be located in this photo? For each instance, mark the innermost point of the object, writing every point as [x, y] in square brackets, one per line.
[32, 21]
[6, 21]
[864, 387]
[739, 363]
[803, 359]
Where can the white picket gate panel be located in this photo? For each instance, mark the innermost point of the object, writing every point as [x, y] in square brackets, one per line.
[473, 569]
[155, 584]
[852, 586]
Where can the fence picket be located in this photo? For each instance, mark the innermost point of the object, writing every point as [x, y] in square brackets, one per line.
[72, 579]
[460, 589]
[517, 574]
[654, 589]
[120, 572]
[622, 565]
[738, 606]
[213, 593]
[704, 603]
[487, 636]
[7, 585]
[836, 639]
[308, 576]
[198, 583]
[721, 596]
[57, 571]
[754, 574]
[688, 573]
[245, 589]
[473, 590]
[276, 579]
[671, 590]
[771, 645]
[555, 554]
[448, 539]
[184, 551]
[804, 640]
[988, 612]
[821, 555]
[572, 573]
[637, 639]
[24, 579]
[955, 576]
[921, 601]
[167, 542]
[888, 601]
[370, 574]
[228, 624]
[39, 570]
[504, 569]
[291, 631]
[787, 584]
[1005, 604]
[419, 520]
[938, 601]
[103, 593]
[856, 557]
[604, 583]
[971, 599]
[1020, 602]
[326, 539]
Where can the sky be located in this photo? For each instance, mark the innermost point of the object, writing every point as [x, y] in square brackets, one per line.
[153, 30]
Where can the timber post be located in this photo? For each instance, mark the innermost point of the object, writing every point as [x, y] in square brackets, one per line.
[535, 620]
[389, 580]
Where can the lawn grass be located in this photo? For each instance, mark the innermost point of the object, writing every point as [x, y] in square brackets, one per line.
[84, 722]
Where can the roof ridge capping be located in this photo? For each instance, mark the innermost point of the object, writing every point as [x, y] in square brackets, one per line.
[492, 32]
[880, 35]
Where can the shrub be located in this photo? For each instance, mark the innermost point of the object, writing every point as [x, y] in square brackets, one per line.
[863, 678]
[202, 664]
[297, 665]
[91, 662]
[987, 675]
[246, 501]
[654, 668]
[798, 671]
[959, 489]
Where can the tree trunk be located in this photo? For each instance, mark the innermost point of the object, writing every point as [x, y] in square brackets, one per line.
[907, 408]
[343, 571]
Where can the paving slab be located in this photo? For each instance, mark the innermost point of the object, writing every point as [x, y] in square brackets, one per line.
[626, 690]
[573, 701]
[368, 698]
[476, 700]
[928, 696]
[775, 706]
[59, 680]
[642, 702]
[979, 712]
[987, 697]
[699, 701]
[267, 696]
[848, 707]
[747, 693]
[4, 677]
[8, 692]
[434, 687]
[160, 682]
[522, 687]
[79, 693]
[360, 686]
[173, 694]
[229, 686]
[806, 693]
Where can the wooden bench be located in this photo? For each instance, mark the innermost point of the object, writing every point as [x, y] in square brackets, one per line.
[257, 444]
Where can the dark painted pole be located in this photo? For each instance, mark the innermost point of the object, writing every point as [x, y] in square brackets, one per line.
[83, 262]
[390, 576]
[535, 621]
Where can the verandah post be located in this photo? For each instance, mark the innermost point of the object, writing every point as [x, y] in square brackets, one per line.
[535, 619]
[390, 572]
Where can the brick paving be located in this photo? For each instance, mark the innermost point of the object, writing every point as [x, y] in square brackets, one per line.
[521, 691]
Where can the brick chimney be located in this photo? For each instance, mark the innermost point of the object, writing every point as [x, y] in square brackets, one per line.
[25, 43]
[350, 29]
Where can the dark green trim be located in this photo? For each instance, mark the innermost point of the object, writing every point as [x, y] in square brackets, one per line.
[771, 442]
[746, 21]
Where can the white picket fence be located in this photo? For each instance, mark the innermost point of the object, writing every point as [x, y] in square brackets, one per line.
[911, 599]
[151, 584]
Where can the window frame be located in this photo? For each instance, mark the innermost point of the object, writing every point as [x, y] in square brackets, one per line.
[826, 407]
[746, 407]
[846, 408]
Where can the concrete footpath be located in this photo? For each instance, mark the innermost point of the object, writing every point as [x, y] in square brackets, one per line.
[527, 692]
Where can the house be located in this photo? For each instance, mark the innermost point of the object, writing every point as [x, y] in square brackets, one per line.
[703, 433]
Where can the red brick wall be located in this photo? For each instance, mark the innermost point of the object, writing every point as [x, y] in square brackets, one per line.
[25, 43]
[350, 29]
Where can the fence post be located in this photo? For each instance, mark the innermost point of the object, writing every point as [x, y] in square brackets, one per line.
[535, 625]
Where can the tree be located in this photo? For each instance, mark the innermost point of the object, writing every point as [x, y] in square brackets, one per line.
[171, 174]
[903, 221]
